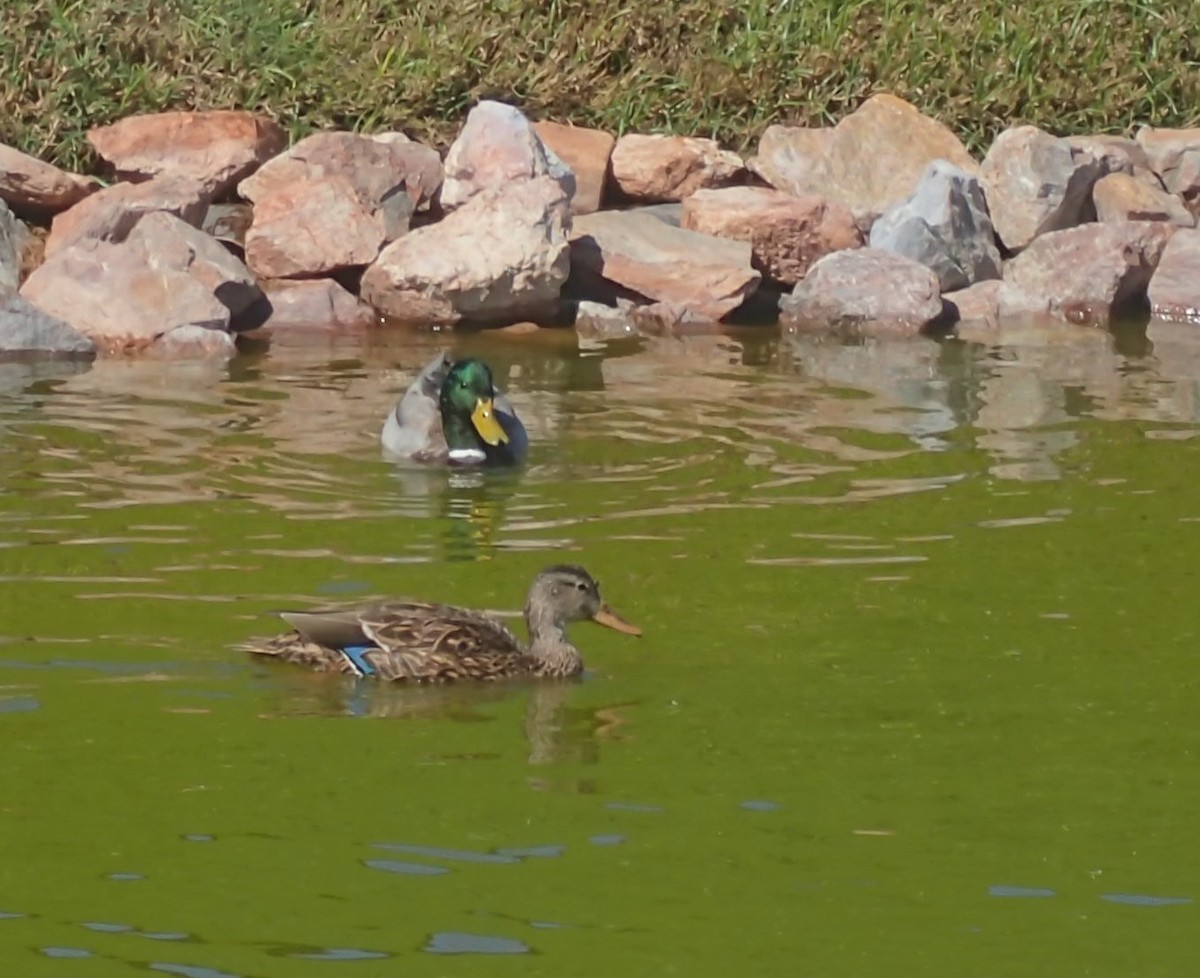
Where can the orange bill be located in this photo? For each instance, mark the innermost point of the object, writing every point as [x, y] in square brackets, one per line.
[610, 619]
[484, 420]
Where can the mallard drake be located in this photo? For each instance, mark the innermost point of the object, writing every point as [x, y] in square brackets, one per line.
[411, 641]
[454, 413]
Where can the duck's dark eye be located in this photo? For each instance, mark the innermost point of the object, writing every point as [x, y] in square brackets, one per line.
[581, 586]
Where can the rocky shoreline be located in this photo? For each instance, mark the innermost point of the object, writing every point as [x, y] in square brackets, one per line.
[884, 223]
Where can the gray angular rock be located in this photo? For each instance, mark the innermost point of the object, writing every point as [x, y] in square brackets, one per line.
[1035, 183]
[12, 235]
[945, 226]
[866, 290]
[24, 328]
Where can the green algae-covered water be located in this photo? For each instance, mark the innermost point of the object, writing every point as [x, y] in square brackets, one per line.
[916, 695]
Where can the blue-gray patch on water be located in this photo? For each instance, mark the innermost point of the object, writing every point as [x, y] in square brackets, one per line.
[199, 837]
[535, 852]
[432, 852]
[343, 587]
[548, 925]
[1142, 900]
[409, 869]
[1020, 891]
[451, 942]
[628, 806]
[754, 805]
[606, 840]
[125, 877]
[190, 970]
[104, 928]
[19, 704]
[5, 915]
[165, 935]
[340, 954]
[65, 952]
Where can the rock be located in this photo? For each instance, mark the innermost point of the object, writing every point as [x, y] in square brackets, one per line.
[315, 303]
[1087, 275]
[12, 237]
[113, 212]
[978, 303]
[391, 176]
[786, 233]
[1118, 154]
[795, 159]
[664, 168]
[1174, 290]
[176, 245]
[312, 227]
[228, 223]
[1174, 155]
[33, 188]
[945, 226]
[1035, 182]
[596, 322]
[192, 342]
[118, 296]
[867, 290]
[496, 147]
[1123, 197]
[587, 152]
[216, 149]
[24, 328]
[635, 251]
[501, 256]
[670, 213]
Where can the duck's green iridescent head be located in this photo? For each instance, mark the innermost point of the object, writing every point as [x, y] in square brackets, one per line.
[467, 394]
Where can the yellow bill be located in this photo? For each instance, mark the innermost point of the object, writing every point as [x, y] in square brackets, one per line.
[484, 420]
[610, 619]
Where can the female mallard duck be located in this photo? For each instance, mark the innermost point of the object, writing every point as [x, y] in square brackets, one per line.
[409, 641]
[454, 413]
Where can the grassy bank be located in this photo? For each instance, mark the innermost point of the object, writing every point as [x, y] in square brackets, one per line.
[723, 69]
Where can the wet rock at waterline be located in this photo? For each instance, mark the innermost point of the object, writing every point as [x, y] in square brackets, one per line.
[216, 149]
[1174, 291]
[786, 233]
[866, 290]
[632, 254]
[655, 168]
[32, 187]
[497, 147]
[26, 329]
[1087, 275]
[314, 303]
[502, 256]
[945, 226]
[1035, 183]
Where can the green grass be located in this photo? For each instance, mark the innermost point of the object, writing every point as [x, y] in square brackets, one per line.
[721, 69]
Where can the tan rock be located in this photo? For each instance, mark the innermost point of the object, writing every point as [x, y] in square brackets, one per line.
[500, 257]
[1035, 183]
[661, 168]
[786, 233]
[708, 275]
[1174, 290]
[978, 303]
[1123, 197]
[1175, 156]
[30, 186]
[496, 147]
[596, 322]
[866, 291]
[1087, 275]
[217, 149]
[315, 303]
[377, 167]
[113, 212]
[310, 228]
[116, 295]
[1118, 154]
[795, 159]
[587, 152]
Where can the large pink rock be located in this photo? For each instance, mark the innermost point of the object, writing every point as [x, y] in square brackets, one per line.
[216, 148]
[1174, 290]
[392, 176]
[31, 186]
[1123, 197]
[870, 161]
[312, 227]
[1035, 183]
[1087, 275]
[587, 152]
[865, 290]
[500, 257]
[786, 233]
[636, 251]
[121, 297]
[113, 212]
[498, 146]
[315, 303]
[1175, 156]
[662, 168]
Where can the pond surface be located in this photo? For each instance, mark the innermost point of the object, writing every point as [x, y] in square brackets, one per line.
[916, 696]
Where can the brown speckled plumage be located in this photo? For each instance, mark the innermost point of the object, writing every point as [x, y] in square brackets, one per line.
[413, 641]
